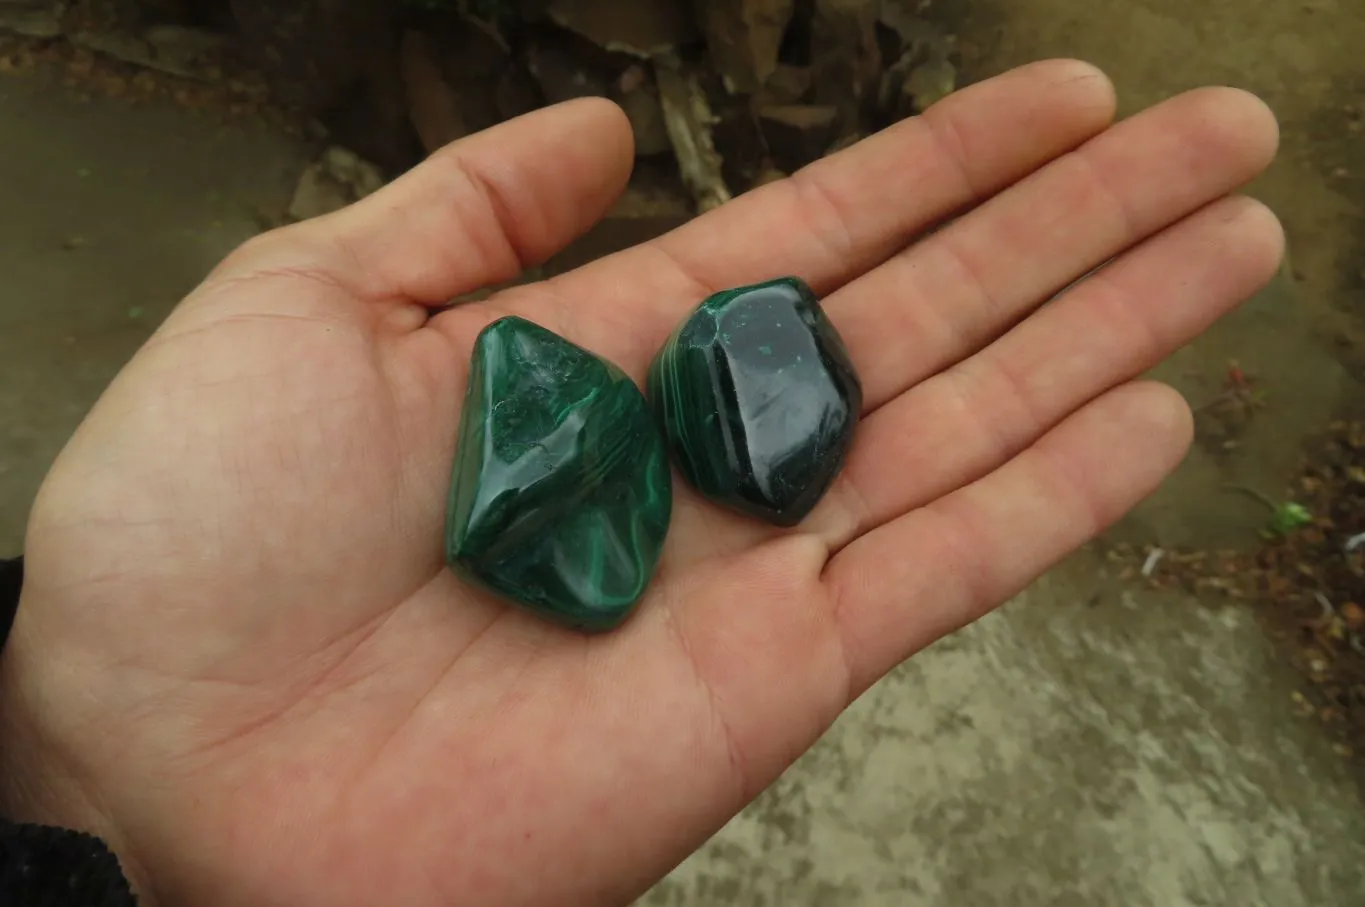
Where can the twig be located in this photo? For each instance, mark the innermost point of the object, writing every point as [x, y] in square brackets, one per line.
[1274, 508]
[688, 118]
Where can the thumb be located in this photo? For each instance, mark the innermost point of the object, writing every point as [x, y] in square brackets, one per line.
[484, 208]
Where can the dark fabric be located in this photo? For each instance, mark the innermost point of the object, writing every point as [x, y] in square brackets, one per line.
[11, 580]
[51, 867]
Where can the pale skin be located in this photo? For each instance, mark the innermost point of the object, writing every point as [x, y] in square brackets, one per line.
[240, 659]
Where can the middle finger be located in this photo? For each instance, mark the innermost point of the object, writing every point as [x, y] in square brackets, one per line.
[943, 299]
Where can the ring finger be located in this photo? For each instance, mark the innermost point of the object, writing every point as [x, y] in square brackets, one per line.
[961, 424]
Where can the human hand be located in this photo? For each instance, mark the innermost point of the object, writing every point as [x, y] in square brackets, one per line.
[240, 659]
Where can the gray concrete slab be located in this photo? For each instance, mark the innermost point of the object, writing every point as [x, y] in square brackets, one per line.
[1090, 745]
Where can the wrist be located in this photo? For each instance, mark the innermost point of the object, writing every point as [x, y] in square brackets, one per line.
[39, 784]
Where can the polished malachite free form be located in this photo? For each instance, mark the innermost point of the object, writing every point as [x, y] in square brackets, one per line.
[560, 495]
[758, 400]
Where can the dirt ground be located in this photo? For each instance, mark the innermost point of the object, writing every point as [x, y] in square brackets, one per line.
[1303, 58]
[1096, 742]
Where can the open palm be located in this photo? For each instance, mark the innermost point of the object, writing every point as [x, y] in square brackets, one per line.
[239, 655]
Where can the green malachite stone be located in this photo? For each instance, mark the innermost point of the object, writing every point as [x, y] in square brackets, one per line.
[560, 495]
[758, 399]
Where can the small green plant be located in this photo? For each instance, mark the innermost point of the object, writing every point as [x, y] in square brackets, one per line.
[1285, 518]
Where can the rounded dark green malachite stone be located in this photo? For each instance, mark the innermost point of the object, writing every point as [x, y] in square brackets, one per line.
[560, 495]
[758, 399]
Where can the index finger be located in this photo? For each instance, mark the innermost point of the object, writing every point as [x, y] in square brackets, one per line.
[837, 218]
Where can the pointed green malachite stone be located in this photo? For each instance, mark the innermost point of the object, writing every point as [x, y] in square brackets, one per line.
[560, 495]
[758, 399]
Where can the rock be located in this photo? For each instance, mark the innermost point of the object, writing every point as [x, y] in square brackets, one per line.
[517, 93]
[313, 51]
[188, 53]
[349, 168]
[798, 133]
[901, 16]
[767, 176]
[633, 78]
[560, 494]
[335, 60]
[847, 140]
[638, 96]
[739, 138]
[769, 440]
[846, 59]
[922, 76]
[641, 28]
[182, 42]
[32, 18]
[645, 199]
[124, 46]
[374, 122]
[474, 61]
[432, 105]
[210, 13]
[611, 235]
[930, 83]
[787, 85]
[337, 179]
[744, 37]
[562, 76]
[316, 195]
[653, 203]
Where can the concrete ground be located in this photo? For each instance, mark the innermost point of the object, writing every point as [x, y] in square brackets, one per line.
[1092, 744]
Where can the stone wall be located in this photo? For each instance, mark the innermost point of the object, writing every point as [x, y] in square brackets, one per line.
[732, 94]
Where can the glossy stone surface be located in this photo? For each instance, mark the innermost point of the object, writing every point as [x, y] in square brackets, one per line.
[758, 399]
[560, 495]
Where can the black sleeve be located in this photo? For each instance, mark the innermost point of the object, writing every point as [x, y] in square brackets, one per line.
[51, 867]
[11, 581]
